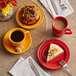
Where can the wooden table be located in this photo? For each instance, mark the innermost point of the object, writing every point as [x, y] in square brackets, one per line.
[70, 40]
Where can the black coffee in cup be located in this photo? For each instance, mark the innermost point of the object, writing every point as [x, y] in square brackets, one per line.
[17, 36]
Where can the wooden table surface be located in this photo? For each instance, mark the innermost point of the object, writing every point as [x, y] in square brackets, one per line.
[70, 40]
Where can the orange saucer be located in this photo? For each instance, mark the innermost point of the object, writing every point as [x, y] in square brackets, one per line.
[30, 26]
[11, 48]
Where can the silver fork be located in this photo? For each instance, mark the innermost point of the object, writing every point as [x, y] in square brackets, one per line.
[65, 66]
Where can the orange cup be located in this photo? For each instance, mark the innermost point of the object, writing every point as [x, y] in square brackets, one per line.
[18, 45]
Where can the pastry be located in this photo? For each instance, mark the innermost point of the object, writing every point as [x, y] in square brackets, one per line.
[29, 15]
[54, 51]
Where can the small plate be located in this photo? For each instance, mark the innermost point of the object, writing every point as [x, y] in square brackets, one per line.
[11, 48]
[30, 26]
[43, 50]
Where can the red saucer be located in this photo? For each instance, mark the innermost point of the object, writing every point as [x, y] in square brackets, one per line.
[43, 50]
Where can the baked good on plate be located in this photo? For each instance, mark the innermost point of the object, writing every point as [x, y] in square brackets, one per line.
[29, 15]
[54, 51]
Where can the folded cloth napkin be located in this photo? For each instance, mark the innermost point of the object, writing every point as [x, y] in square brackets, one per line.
[23, 68]
[57, 7]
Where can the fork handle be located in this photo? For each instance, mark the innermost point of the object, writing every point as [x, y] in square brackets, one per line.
[69, 72]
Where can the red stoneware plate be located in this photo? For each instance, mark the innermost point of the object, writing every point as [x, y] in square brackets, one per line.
[54, 64]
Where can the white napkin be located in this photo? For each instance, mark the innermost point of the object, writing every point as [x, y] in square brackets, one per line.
[57, 7]
[23, 68]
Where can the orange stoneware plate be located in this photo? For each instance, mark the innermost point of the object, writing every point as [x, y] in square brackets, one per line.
[30, 26]
[11, 48]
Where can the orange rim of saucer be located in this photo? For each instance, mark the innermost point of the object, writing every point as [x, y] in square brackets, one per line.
[30, 26]
[10, 48]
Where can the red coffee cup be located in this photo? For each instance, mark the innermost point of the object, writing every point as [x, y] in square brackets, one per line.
[60, 32]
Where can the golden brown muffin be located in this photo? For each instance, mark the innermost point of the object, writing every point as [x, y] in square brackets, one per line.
[29, 15]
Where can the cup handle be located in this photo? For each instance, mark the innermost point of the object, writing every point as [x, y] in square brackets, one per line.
[68, 31]
[27, 33]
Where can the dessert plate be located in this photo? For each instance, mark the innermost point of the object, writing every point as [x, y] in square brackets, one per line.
[30, 26]
[54, 64]
[11, 48]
